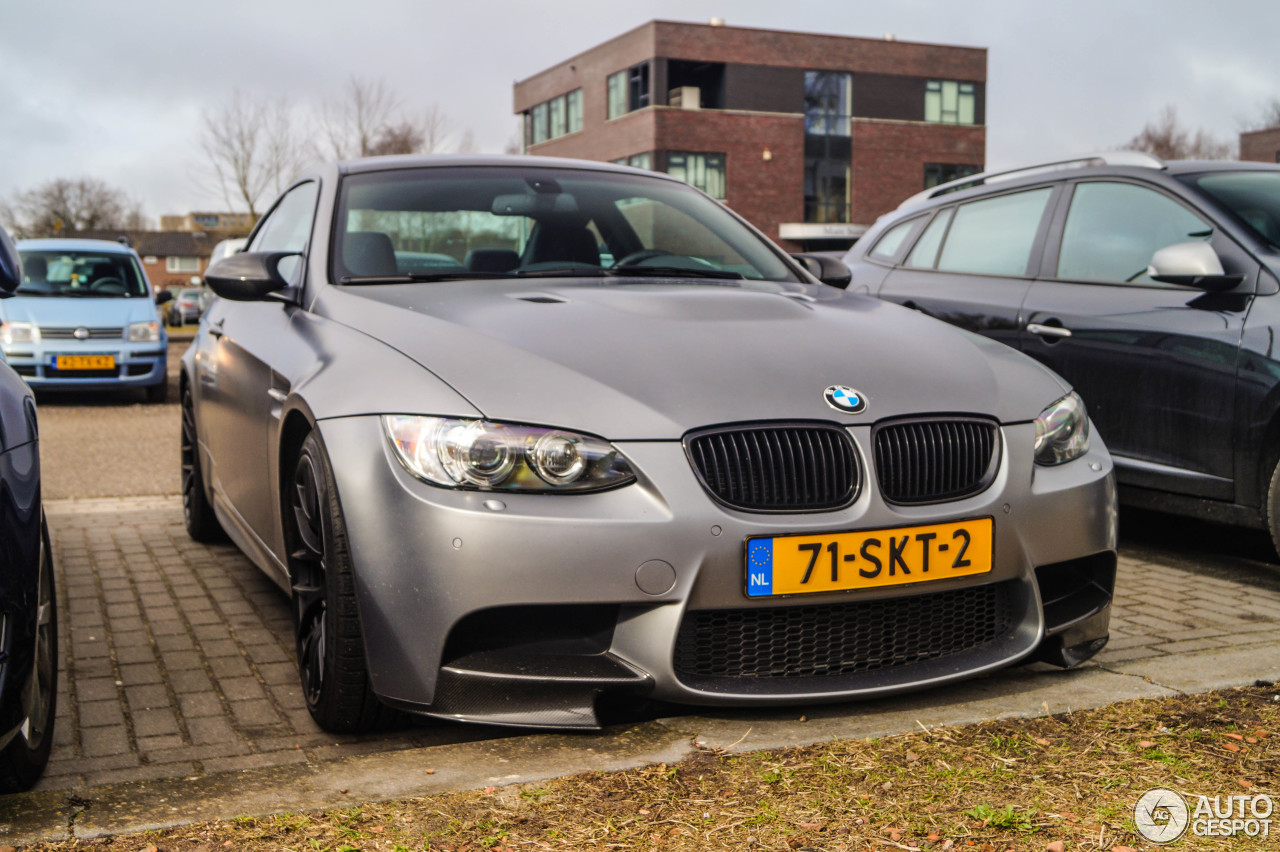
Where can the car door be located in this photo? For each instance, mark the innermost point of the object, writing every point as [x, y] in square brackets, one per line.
[239, 390]
[1155, 363]
[972, 264]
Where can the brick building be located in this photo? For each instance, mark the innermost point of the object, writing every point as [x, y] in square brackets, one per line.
[1261, 145]
[234, 224]
[810, 137]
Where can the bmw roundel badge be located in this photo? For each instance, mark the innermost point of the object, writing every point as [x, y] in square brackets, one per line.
[845, 399]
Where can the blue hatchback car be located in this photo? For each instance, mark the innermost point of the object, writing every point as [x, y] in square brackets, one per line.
[84, 318]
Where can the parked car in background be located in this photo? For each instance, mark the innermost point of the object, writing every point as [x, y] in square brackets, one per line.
[188, 305]
[84, 318]
[1152, 287]
[226, 248]
[28, 605]
[502, 488]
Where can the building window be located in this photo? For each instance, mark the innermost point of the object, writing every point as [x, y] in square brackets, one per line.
[703, 171]
[828, 103]
[628, 90]
[556, 118]
[205, 220]
[573, 110]
[949, 102]
[637, 161]
[538, 124]
[181, 264]
[936, 173]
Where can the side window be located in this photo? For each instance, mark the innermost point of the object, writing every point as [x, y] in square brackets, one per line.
[994, 236]
[925, 254]
[289, 227]
[1113, 229]
[886, 248]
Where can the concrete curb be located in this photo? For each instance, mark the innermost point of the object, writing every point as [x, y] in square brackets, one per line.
[1020, 693]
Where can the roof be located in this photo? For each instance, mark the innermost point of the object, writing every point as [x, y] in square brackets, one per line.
[74, 244]
[162, 243]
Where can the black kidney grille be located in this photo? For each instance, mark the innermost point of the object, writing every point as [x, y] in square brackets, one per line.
[927, 461]
[784, 468]
[837, 639]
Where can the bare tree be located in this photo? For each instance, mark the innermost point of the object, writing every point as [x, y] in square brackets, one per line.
[1267, 118]
[370, 120]
[61, 205]
[252, 148]
[1168, 139]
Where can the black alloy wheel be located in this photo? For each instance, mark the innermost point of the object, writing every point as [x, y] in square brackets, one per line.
[23, 760]
[202, 523]
[330, 643]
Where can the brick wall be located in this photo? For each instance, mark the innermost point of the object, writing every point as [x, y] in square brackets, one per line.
[764, 192]
[1261, 145]
[706, 43]
[889, 158]
[163, 280]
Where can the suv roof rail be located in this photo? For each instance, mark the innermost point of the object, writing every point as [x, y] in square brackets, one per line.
[1138, 159]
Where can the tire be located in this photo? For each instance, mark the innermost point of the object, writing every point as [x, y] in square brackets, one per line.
[23, 760]
[158, 393]
[202, 523]
[1272, 507]
[330, 642]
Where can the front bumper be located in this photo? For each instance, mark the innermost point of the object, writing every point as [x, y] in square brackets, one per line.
[523, 609]
[135, 364]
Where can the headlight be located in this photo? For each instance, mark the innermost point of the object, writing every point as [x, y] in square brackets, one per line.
[504, 457]
[1062, 431]
[19, 332]
[144, 332]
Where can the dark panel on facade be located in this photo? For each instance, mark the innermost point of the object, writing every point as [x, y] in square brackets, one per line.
[763, 88]
[902, 98]
[888, 96]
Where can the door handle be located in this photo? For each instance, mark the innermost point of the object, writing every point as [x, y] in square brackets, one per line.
[1048, 330]
[215, 328]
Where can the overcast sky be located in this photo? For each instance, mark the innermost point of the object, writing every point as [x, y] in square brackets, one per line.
[116, 90]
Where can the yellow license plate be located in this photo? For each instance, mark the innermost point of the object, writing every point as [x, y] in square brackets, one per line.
[85, 362]
[868, 559]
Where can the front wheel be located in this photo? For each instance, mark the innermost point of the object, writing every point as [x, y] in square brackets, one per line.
[202, 523]
[23, 760]
[1272, 507]
[330, 642]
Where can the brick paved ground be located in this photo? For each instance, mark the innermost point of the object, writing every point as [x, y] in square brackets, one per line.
[178, 660]
[177, 657]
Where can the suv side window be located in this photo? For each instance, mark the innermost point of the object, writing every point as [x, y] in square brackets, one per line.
[887, 247]
[288, 227]
[1113, 229]
[925, 254]
[995, 236]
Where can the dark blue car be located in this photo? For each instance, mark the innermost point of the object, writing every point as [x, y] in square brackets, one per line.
[28, 611]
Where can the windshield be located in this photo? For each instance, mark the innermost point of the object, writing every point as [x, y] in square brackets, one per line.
[1254, 197]
[485, 222]
[53, 272]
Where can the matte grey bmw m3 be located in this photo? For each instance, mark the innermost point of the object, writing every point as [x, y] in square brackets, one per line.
[517, 434]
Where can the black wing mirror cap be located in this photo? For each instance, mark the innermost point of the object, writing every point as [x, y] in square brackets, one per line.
[827, 269]
[248, 276]
[164, 297]
[10, 265]
[1192, 264]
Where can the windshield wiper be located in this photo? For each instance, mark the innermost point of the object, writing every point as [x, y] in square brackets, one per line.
[422, 277]
[671, 272]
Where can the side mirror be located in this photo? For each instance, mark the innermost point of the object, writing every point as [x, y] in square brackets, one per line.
[248, 276]
[10, 265]
[163, 297]
[827, 269]
[1194, 264]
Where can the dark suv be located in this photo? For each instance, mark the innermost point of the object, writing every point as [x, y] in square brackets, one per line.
[1152, 287]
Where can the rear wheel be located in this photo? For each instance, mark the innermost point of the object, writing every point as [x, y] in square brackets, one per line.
[330, 643]
[24, 758]
[202, 523]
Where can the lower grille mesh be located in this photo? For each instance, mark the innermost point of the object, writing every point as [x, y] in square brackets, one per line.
[838, 639]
